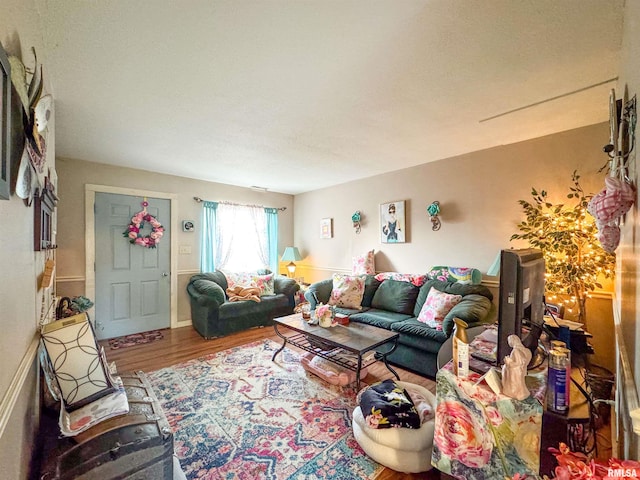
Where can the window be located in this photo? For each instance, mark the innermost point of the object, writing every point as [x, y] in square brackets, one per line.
[239, 238]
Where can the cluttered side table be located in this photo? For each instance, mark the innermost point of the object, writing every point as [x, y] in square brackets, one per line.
[479, 432]
[483, 434]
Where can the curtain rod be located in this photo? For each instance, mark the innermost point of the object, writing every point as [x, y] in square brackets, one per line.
[199, 200]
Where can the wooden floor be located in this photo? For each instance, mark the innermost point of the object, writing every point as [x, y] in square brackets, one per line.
[181, 344]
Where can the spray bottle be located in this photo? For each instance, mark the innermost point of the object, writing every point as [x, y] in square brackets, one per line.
[460, 344]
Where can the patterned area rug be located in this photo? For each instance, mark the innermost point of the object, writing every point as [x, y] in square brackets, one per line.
[238, 415]
[135, 339]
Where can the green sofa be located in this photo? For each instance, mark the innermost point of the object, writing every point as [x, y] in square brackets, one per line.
[212, 315]
[395, 305]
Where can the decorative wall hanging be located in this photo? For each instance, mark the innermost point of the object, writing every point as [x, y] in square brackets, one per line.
[392, 226]
[434, 211]
[5, 126]
[611, 204]
[326, 228]
[32, 112]
[45, 204]
[355, 218]
[134, 231]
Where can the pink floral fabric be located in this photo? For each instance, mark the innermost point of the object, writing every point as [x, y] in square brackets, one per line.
[471, 421]
[417, 280]
[251, 279]
[347, 291]
[364, 264]
[436, 307]
[460, 436]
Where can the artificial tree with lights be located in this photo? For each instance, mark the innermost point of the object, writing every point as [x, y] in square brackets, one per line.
[566, 235]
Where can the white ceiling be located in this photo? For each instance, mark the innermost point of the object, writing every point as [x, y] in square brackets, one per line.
[302, 94]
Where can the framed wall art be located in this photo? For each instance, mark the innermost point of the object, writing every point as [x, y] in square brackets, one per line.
[326, 228]
[5, 125]
[392, 222]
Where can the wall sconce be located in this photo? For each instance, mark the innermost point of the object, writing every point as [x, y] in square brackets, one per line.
[355, 218]
[434, 210]
[291, 254]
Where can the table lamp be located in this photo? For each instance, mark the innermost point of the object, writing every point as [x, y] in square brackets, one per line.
[291, 254]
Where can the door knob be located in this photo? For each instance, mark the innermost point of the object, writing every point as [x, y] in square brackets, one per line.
[165, 274]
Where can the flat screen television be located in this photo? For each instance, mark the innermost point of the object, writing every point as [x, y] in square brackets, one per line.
[521, 299]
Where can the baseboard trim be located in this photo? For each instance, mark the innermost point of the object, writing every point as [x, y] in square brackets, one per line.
[17, 383]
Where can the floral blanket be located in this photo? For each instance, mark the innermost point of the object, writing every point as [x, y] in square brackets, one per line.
[483, 435]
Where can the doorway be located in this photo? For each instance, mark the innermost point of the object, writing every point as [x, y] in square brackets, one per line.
[132, 286]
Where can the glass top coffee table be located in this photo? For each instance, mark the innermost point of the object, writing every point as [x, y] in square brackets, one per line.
[353, 346]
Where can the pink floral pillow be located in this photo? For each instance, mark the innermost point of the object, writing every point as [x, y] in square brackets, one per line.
[251, 279]
[347, 291]
[417, 280]
[364, 264]
[436, 307]
[264, 283]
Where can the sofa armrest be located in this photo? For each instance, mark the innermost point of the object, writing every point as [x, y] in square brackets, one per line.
[287, 286]
[205, 290]
[473, 309]
[322, 291]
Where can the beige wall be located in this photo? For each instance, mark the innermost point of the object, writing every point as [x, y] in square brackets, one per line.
[75, 174]
[478, 195]
[20, 29]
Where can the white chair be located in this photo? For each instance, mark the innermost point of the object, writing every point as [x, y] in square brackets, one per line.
[402, 449]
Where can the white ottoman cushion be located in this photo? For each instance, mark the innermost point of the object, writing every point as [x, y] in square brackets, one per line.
[401, 449]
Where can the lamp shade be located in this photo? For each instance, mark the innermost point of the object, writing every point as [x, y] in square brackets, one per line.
[291, 254]
[494, 269]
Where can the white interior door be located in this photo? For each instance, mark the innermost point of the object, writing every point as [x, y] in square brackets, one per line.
[133, 283]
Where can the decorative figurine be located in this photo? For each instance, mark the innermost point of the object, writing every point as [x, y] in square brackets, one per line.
[514, 370]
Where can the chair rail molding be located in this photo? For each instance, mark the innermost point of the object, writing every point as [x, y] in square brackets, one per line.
[17, 383]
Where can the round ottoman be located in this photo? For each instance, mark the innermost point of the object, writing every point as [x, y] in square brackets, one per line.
[402, 449]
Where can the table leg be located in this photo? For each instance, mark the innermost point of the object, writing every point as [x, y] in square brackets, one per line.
[386, 363]
[358, 372]
[284, 342]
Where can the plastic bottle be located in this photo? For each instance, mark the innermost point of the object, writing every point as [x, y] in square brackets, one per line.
[460, 348]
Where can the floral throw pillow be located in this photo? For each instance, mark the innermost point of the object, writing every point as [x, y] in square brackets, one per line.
[436, 307]
[239, 278]
[347, 291]
[251, 279]
[417, 280]
[264, 283]
[364, 264]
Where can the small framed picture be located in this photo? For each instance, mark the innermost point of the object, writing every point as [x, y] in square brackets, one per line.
[392, 222]
[326, 228]
[188, 226]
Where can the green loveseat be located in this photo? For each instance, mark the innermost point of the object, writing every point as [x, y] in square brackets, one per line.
[213, 315]
[395, 305]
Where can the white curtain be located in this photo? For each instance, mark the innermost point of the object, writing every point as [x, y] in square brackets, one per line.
[241, 238]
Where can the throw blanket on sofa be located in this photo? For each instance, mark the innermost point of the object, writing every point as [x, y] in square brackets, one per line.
[386, 405]
[239, 293]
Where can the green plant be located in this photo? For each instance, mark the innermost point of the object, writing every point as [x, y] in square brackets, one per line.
[567, 236]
